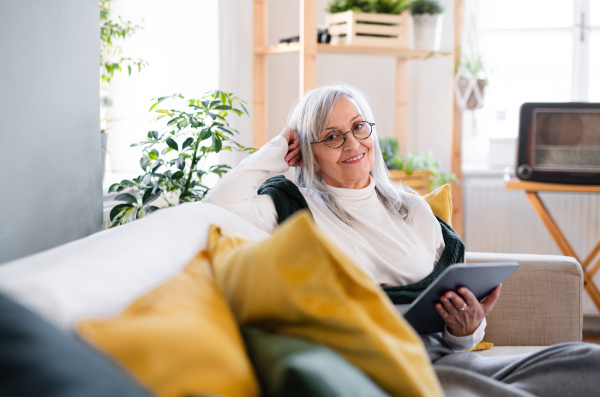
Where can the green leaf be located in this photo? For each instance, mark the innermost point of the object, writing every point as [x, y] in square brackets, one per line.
[149, 196]
[128, 198]
[114, 187]
[119, 209]
[217, 144]
[157, 102]
[149, 209]
[177, 175]
[181, 162]
[172, 144]
[153, 154]
[194, 122]
[144, 163]
[187, 143]
[205, 134]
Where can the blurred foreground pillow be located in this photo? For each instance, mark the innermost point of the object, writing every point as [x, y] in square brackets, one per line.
[298, 283]
[293, 367]
[180, 338]
[36, 359]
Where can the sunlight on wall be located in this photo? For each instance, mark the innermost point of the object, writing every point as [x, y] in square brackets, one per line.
[180, 42]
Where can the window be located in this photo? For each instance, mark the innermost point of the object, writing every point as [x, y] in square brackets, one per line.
[534, 50]
[180, 44]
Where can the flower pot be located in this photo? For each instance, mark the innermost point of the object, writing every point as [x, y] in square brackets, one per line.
[469, 92]
[369, 30]
[427, 31]
[418, 180]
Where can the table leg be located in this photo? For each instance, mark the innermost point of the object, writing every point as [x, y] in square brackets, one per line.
[563, 244]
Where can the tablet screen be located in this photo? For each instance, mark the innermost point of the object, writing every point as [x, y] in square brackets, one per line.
[480, 278]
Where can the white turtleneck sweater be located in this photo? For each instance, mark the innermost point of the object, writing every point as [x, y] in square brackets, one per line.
[390, 250]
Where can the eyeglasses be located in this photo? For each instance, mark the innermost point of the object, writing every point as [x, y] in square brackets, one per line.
[336, 139]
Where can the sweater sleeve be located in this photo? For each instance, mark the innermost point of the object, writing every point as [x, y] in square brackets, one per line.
[237, 190]
[460, 343]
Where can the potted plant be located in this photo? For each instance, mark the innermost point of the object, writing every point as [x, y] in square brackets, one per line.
[368, 22]
[173, 160]
[427, 22]
[421, 171]
[470, 78]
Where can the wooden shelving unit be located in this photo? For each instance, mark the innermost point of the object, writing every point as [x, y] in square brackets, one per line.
[308, 49]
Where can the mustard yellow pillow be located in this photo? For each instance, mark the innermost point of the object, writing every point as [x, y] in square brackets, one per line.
[440, 201]
[298, 283]
[180, 338]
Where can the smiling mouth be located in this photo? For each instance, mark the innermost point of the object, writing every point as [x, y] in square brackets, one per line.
[354, 159]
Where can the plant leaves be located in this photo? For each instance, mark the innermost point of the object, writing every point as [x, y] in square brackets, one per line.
[128, 198]
[177, 175]
[144, 163]
[149, 196]
[187, 143]
[114, 187]
[181, 162]
[149, 209]
[217, 144]
[172, 144]
[153, 154]
[194, 122]
[118, 209]
[205, 134]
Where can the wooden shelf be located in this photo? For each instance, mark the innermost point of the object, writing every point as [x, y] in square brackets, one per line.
[404, 53]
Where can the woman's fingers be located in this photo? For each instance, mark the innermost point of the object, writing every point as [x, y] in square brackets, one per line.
[294, 154]
[490, 300]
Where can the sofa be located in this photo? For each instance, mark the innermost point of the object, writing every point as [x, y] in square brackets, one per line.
[58, 335]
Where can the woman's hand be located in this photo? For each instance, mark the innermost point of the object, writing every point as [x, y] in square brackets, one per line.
[294, 155]
[462, 312]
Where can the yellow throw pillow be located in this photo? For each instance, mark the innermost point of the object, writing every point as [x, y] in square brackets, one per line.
[180, 338]
[300, 284]
[440, 201]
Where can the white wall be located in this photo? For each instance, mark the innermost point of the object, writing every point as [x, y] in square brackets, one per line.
[50, 183]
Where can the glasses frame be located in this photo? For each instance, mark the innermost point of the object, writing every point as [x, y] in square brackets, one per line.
[347, 132]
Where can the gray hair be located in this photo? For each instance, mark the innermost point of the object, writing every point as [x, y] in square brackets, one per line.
[309, 117]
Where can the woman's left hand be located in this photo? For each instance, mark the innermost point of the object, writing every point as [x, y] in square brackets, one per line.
[462, 312]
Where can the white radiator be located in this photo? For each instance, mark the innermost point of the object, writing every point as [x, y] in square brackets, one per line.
[500, 220]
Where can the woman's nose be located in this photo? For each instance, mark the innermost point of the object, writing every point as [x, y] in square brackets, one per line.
[351, 141]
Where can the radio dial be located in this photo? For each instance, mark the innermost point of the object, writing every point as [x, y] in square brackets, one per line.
[524, 171]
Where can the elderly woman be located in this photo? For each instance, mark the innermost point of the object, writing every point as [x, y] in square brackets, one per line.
[386, 229]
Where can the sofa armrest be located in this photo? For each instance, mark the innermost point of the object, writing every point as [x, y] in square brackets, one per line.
[540, 304]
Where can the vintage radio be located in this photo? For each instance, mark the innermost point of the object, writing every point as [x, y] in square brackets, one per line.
[559, 142]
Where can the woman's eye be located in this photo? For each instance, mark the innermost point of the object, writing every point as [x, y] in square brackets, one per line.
[359, 126]
[332, 136]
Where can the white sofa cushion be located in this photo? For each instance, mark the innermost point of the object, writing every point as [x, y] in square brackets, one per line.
[98, 276]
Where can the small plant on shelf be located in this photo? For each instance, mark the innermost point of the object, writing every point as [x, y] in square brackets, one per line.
[173, 161]
[413, 162]
[422, 7]
[370, 6]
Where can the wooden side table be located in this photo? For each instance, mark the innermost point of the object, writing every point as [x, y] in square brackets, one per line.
[531, 190]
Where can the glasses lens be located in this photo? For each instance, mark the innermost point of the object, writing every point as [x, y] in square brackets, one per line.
[334, 139]
[362, 130]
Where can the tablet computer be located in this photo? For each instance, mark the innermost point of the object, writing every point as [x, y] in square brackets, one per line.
[480, 278]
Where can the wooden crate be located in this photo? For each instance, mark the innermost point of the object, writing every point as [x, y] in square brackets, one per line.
[365, 29]
[418, 180]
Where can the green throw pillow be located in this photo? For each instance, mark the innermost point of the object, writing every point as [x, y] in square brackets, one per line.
[289, 366]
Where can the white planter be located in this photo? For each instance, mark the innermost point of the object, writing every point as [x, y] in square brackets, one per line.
[427, 31]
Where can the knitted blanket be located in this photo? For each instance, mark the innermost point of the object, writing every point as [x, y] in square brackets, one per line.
[288, 200]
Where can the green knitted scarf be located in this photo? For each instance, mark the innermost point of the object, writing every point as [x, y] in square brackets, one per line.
[288, 200]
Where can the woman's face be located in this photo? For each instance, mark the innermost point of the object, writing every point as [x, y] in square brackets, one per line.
[348, 166]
